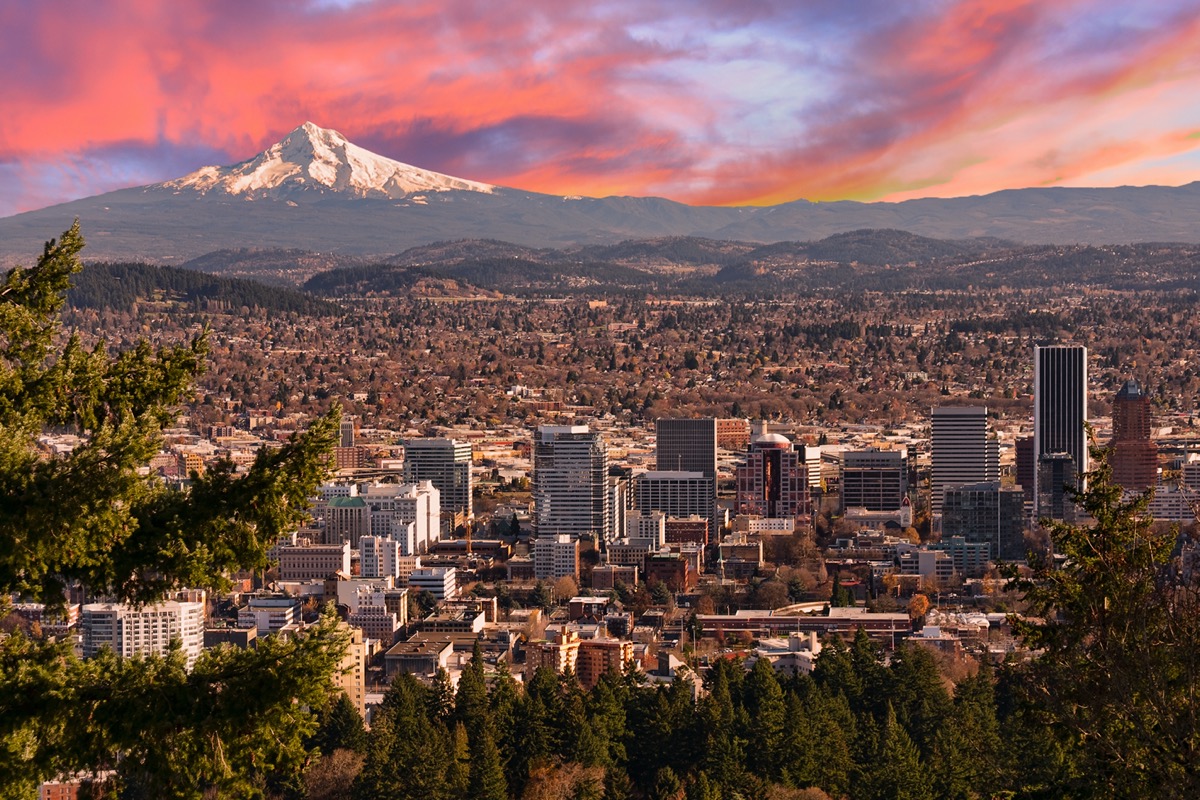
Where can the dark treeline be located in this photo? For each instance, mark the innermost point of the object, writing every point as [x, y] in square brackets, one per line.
[858, 727]
[118, 287]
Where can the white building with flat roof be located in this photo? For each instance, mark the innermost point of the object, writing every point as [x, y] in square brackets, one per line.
[149, 630]
[556, 557]
[442, 582]
[410, 513]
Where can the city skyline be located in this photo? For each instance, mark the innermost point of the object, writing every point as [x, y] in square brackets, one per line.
[708, 104]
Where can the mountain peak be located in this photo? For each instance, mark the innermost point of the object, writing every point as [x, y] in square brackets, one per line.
[312, 158]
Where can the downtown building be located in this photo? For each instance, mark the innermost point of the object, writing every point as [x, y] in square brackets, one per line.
[874, 479]
[987, 513]
[1132, 455]
[446, 463]
[149, 630]
[1060, 446]
[570, 483]
[773, 480]
[962, 453]
[409, 513]
[678, 495]
[686, 445]
[689, 446]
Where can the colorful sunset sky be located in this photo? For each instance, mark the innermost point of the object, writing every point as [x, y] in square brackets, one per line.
[702, 101]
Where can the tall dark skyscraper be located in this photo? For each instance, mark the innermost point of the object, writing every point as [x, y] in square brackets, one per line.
[686, 445]
[1133, 456]
[1059, 412]
[689, 445]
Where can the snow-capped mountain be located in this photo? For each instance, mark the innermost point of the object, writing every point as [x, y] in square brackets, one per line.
[316, 191]
[315, 158]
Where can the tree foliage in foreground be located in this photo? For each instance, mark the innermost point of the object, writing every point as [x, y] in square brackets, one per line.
[1117, 681]
[238, 719]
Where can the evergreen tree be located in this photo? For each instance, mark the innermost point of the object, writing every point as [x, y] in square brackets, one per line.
[471, 702]
[582, 742]
[542, 598]
[723, 752]
[833, 736]
[897, 773]
[504, 704]
[608, 714]
[90, 517]
[875, 679]
[536, 720]
[701, 788]
[767, 715]
[798, 745]
[834, 672]
[441, 697]
[920, 699]
[966, 748]
[1118, 636]
[666, 786]
[408, 756]
[340, 727]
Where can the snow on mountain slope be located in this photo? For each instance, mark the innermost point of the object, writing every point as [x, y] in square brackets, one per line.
[316, 158]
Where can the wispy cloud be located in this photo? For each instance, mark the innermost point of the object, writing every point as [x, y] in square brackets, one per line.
[713, 101]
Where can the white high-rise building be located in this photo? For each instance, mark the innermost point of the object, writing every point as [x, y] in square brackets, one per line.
[410, 513]
[570, 482]
[1059, 417]
[380, 557]
[149, 630]
[442, 582]
[962, 454]
[556, 557]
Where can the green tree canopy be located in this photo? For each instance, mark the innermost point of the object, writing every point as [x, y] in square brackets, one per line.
[90, 517]
[1118, 627]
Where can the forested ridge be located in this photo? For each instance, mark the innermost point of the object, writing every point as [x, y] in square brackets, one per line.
[866, 260]
[118, 286]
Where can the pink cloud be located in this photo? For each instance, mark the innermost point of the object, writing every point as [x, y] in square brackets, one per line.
[614, 97]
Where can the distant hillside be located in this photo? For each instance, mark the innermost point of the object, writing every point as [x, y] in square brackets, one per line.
[883, 260]
[470, 250]
[512, 275]
[680, 251]
[877, 248]
[119, 286]
[271, 265]
[1140, 266]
